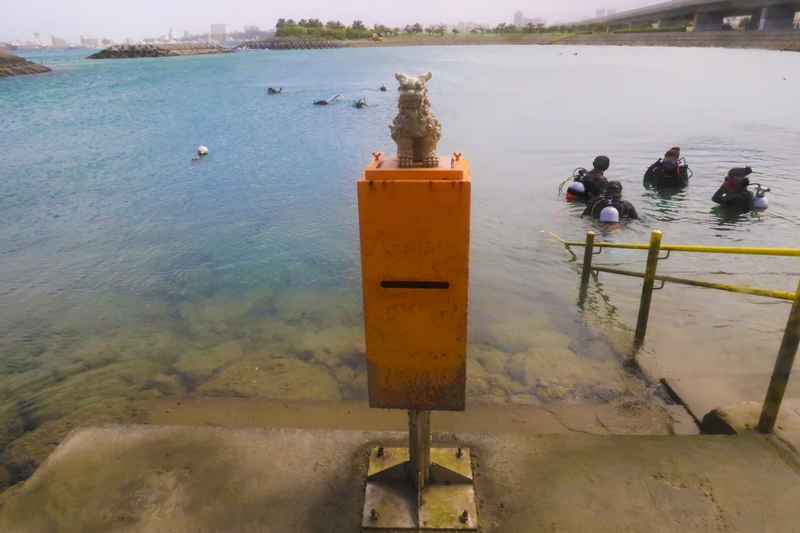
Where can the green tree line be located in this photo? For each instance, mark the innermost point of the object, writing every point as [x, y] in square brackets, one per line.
[315, 29]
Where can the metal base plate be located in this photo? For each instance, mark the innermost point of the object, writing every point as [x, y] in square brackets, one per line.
[391, 501]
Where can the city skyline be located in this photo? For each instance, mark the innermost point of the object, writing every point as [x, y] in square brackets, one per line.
[71, 19]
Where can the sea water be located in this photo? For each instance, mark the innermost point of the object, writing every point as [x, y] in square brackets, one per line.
[129, 272]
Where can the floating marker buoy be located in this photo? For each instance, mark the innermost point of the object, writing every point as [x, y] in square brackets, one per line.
[609, 214]
[760, 202]
[202, 150]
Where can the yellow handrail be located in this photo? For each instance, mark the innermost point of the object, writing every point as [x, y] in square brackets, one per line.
[786, 252]
[791, 335]
[780, 295]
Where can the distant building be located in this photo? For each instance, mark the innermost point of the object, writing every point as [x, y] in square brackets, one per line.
[219, 29]
[58, 42]
[172, 36]
[599, 12]
[91, 42]
[520, 21]
[248, 28]
[186, 34]
[107, 42]
[130, 41]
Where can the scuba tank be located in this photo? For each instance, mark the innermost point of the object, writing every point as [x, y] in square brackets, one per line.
[609, 214]
[575, 191]
[580, 188]
[760, 201]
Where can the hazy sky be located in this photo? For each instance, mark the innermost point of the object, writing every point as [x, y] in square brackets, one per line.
[117, 19]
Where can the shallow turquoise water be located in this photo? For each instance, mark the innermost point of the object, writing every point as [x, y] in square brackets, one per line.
[108, 225]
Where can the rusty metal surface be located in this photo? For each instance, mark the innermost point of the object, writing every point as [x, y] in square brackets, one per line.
[443, 507]
[451, 465]
[392, 463]
[415, 233]
[392, 503]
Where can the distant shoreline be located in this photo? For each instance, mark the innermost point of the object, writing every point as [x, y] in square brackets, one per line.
[766, 40]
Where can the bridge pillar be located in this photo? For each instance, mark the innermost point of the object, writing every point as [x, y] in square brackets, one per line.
[777, 18]
[755, 20]
[708, 22]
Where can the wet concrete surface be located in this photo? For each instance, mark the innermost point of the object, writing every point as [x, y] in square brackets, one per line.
[215, 479]
[627, 418]
[738, 400]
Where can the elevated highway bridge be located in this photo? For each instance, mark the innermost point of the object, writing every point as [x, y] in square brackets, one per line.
[707, 15]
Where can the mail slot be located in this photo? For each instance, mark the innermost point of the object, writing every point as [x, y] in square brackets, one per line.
[414, 225]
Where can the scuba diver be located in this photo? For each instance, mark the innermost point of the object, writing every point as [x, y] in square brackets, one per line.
[669, 172]
[271, 90]
[361, 102]
[733, 195]
[383, 88]
[588, 185]
[328, 101]
[611, 207]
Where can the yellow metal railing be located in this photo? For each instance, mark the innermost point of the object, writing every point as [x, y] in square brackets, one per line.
[791, 335]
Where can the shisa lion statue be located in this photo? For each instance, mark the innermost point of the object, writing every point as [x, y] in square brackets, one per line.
[415, 129]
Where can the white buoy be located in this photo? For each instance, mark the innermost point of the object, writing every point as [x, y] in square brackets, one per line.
[760, 202]
[609, 214]
[576, 187]
[202, 150]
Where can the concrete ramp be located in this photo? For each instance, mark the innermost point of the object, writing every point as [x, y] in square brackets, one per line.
[203, 479]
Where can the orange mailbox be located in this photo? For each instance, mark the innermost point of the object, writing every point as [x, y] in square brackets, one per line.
[414, 226]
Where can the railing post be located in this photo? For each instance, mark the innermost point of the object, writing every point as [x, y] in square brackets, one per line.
[588, 252]
[783, 368]
[647, 289]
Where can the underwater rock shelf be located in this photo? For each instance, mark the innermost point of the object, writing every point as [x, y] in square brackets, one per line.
[121, 51]
[11, 65]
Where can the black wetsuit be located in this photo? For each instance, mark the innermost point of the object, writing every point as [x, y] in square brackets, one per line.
[624, 208]
[667, 176]
[737, 199]
[593, 182]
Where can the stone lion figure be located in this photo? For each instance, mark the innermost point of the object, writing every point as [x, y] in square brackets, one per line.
[415, 129]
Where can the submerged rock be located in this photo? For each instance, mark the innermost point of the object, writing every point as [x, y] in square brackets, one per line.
[11, 65]
[195, 367]
[278, 379]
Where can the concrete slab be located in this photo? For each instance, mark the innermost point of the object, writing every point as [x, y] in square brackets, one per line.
[205, 479]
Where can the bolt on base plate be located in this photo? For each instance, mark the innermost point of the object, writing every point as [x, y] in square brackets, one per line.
[392, 502]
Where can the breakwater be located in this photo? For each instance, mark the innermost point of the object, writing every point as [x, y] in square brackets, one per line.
[291, 43]
[121, 51]
[11, 65]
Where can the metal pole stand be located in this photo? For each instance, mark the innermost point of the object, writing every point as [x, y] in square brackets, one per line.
[419, 487]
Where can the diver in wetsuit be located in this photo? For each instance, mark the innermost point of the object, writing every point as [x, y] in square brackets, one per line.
[733, 195]
[596, 177]
[668, 172]
[589, 185]
[612, 198]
